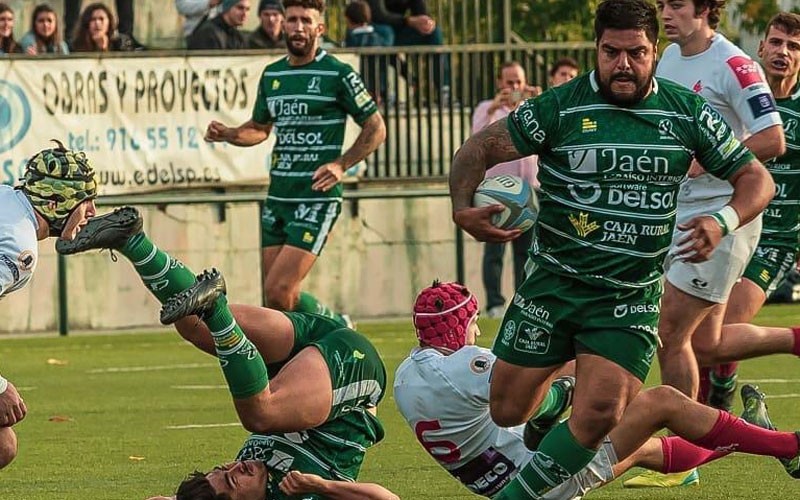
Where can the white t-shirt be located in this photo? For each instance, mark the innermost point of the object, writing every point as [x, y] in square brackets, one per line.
[735, 86]
[19, 248]
[445, 400]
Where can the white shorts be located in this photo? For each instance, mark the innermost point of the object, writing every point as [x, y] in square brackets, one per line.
[713, 279]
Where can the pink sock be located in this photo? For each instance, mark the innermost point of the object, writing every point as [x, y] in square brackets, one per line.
[734, 434]
[796, 332]
[726, 371]
[705, 384]
[681, 455]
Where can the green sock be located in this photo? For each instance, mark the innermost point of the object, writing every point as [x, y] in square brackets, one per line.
[241, 363]
[163, 275]
[552, 404]
[726, 383]
[559, 457]
[307, 303]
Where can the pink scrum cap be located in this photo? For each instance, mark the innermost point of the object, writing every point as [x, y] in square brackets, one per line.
[443, 313]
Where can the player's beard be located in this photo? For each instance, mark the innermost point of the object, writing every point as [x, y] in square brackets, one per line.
[303, 50]
[642, 88]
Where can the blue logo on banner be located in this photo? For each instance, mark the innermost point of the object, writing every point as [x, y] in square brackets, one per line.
[15, 115]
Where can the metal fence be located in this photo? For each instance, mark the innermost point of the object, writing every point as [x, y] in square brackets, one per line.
[427, 95]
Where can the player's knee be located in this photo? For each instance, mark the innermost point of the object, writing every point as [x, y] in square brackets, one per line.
[8, 446]
[281, 297]
[595, 420]
[506, 413]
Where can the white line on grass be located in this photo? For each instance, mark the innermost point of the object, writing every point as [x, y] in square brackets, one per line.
[198, 387]
[202, 426]
[773, 381]
[782, 396]
[125, 369]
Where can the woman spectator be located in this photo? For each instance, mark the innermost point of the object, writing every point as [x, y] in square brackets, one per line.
[96, 32]
[44, 36]
[7, 43]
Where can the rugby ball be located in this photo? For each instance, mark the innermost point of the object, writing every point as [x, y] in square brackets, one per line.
[517, 197]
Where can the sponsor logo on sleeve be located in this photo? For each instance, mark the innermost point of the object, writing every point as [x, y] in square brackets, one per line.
[746, 71]
[480, 364]
[761, 104]
[26, 260]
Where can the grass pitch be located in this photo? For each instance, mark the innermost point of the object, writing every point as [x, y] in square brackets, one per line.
[126, 416]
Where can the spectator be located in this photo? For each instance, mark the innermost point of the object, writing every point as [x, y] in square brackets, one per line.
[513, 89]
[96, 32]
[72, 9]
[563, 70]
[44, 37]
[361, 33]
[195, 12]
[222, 32]
[7, 43]
[406, 22]
[269, 34]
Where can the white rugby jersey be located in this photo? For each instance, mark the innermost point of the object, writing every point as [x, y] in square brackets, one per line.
[735, 86]
[445, 400]
[19, 249]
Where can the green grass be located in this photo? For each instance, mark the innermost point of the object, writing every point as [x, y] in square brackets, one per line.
[114, 441]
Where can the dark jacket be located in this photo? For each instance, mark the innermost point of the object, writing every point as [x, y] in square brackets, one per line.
[364, 36]
[258, 39]
[216, 34]
[393, 12]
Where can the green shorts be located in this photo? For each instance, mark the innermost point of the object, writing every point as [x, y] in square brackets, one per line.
[304, 225]
[552, 318]
[357, 371]
[769, 266]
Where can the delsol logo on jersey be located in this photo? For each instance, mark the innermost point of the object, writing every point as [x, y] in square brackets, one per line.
[746, 71]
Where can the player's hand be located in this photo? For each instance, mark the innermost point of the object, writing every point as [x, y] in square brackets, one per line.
[327, 176]
[703, 235]
[12, 407]
[297, 483]
[478, 223]
[695, 170]
[215, 132]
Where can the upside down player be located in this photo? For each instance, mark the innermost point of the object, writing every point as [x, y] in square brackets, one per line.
[305, 386]
[442, 390]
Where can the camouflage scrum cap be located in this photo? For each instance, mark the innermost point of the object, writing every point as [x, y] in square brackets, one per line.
[56, 181]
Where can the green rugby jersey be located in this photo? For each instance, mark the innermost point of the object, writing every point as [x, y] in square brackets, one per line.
[782, 216]
[610, 175]
[308, 106]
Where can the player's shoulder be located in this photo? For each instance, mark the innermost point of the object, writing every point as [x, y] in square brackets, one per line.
[280, 64]
[474, 359]
[328, 61]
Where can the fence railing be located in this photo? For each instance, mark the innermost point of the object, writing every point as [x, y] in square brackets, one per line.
[427, 95]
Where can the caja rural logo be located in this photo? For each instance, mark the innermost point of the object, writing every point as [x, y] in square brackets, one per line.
[15, 115]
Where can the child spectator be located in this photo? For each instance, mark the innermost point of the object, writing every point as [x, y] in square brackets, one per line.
[7, 43]
[361, 33]
[44, 36]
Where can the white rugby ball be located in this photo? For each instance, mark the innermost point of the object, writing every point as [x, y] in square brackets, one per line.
[517, 197]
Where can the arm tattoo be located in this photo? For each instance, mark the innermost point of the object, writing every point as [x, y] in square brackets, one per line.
[482, 151]
[373, 133]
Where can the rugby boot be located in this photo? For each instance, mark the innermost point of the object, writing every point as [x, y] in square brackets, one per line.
[755, 412]
[198, 299]
[537, 428]
[652, 479]
[110, 231]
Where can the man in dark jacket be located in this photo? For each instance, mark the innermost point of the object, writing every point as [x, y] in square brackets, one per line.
[269, 34]
[222, 32]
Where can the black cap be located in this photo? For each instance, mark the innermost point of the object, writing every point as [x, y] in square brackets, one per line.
[270, 5]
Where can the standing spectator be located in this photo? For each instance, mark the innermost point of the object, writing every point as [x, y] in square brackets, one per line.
[195, 12]
[306, 97]
[72, 9]
[361, 33]
[406, 22]
[97, 32]
[563, 70]
[513, 89]
[44, 36]
[223, 31]
[269, 34]
[7, 43]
